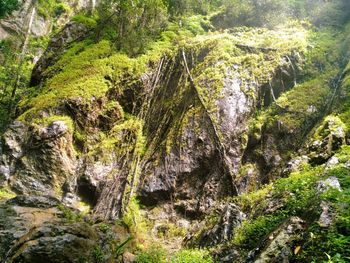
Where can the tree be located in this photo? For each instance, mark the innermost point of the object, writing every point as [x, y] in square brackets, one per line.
[132, 24]
[7, 6]
[181, 7]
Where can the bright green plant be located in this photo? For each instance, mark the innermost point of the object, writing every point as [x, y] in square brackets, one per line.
[98, 254]
[192, 256]
[153, 255]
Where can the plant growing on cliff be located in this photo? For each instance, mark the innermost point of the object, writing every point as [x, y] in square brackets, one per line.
[7, 6]
[192, 256]
[134, 23]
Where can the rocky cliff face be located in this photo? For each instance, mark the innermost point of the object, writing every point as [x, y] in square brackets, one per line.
[36, 19]
[201, 132]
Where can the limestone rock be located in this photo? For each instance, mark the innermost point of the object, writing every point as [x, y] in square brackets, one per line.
[280, 247]
[230, 217]
[331, 182]
[37, 160]
[327, 217]
[33, 229]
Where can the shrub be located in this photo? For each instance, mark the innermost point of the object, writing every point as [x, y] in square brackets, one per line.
[152, 255]
[85, 20]
[7, 6]
[192, 256]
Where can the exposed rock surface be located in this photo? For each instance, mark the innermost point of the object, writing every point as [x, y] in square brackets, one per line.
[280, 246]
[37, 159]
[230, 218]
[190, 146]
[206, 151]
[34, 229]
[17, 23]
[71, 32]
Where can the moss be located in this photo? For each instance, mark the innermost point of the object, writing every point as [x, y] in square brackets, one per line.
[138, 225]
[296, 196]
[62, 8]
[298, 192]
[324, 52]
[87, 70]
[330, 125]
[49, 120]
[344, 103]
[293, 115]
[250, 171]
[293, 197]
[81, 75]
[85, 20]
[70, 215]
[124, 137]
[6, 194]
[49, 8]
[250, 55]
[255, 199]
[250, 233]
[246, 55]
[84, 208]
[332, 242]
[176, 231]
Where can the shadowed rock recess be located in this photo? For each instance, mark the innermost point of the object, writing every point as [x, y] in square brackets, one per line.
[174, 131]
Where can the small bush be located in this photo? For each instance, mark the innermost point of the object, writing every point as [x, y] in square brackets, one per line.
[192, 256]
[85, 20]
[98, 254]
[152, 255]
[61, 8]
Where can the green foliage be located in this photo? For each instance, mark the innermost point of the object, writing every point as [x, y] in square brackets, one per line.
[82, 75]
[7, 6]
[62, 8]
[85, 20]
[296, 195]
[139, 226]
[6, 194]
[344, 109]
[154, 254]
[182, 7]
[88, 70]
[69, 214]
[298, 192]
[14, 78]
[252, 201]
[290, 114]
[47, 8]
[192, 256]
[270, 13]
[98, 254]
[49, 120]
[334, 240]
[331, 125]
[333, 13]
[249, 13]
[325, 53]
[250, 233]
[132, 25]
[104, 227]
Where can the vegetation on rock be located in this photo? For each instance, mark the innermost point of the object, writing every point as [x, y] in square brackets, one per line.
[196, 131]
